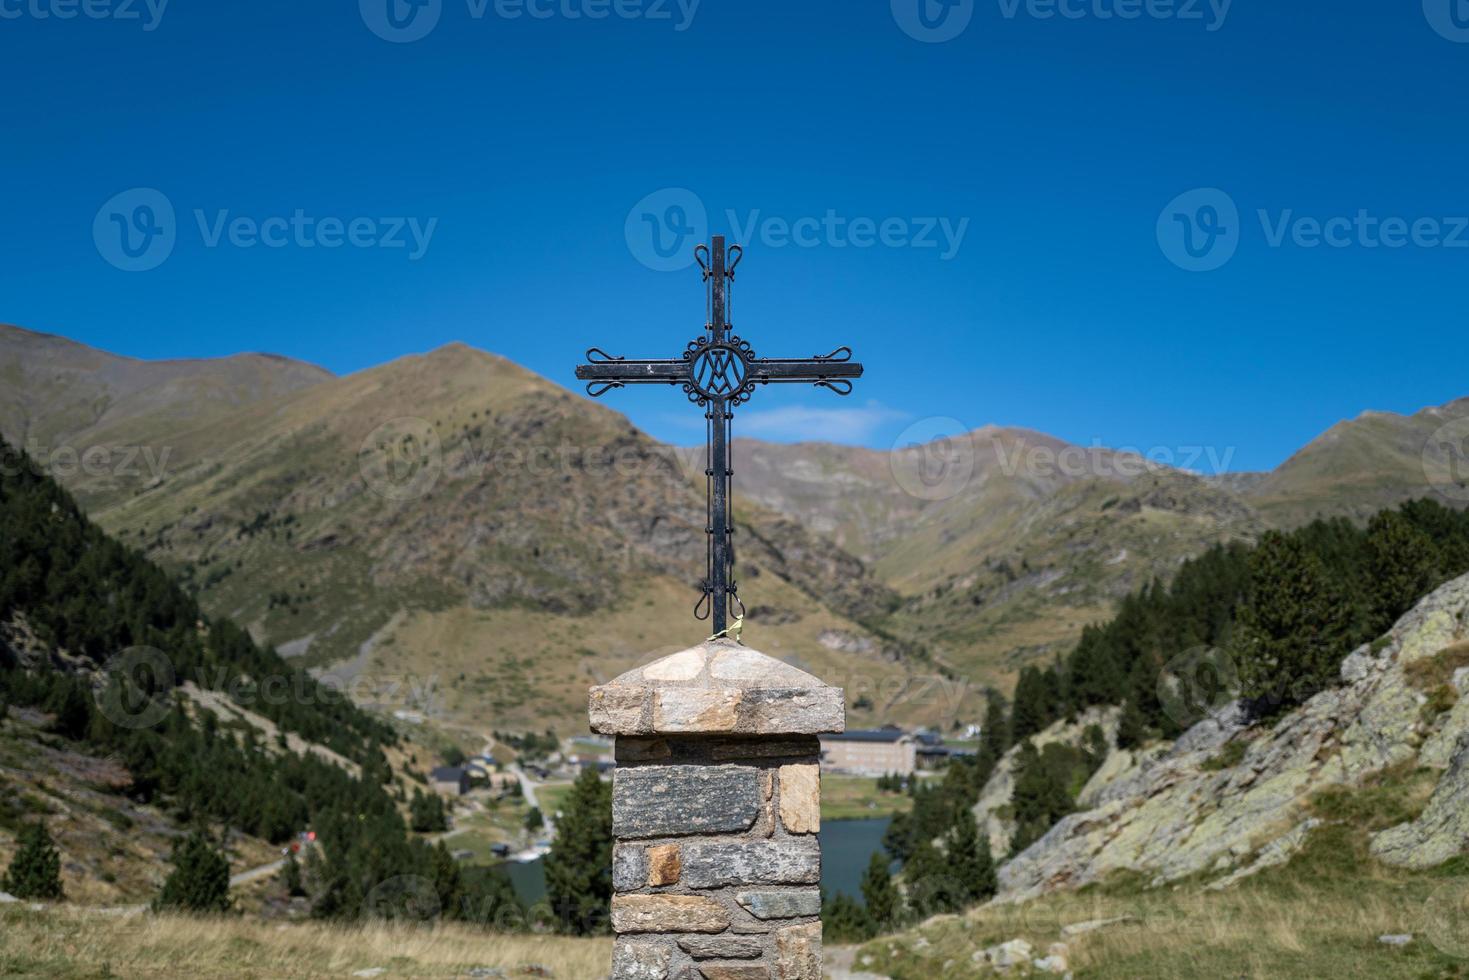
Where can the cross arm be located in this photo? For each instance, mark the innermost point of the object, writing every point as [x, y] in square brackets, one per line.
[605, 372]
[836, 370]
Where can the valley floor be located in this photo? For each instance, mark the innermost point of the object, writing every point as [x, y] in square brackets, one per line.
[71, 943]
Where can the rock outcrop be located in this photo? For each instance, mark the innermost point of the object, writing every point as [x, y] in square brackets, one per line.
[1190, 809]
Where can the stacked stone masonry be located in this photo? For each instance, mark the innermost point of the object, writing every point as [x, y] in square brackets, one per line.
[716, 815]
[717, 865]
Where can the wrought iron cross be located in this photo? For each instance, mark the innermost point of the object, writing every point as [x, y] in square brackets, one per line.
[718, 371]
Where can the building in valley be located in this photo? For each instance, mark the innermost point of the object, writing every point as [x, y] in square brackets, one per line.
[870, 752]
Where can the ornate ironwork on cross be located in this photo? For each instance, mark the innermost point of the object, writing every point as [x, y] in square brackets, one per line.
[718, 371]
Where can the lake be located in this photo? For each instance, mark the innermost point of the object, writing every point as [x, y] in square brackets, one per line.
[846, 847]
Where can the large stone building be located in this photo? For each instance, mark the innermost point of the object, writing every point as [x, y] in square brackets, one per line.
[870, 752]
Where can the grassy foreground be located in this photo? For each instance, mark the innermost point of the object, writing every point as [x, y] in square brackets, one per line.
[69, 943]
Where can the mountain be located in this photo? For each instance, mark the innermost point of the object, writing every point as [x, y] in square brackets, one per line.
[453, 526]
[1376, 460]
[81, 408]
[1003, 543]
[454, 534]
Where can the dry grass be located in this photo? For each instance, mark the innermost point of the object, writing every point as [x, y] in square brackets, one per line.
[73, 943]
[1318, 916]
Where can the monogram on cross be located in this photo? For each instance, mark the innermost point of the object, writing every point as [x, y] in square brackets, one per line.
[718, 371]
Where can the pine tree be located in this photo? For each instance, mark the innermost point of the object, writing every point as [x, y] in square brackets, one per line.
[35, 871]
[970, 860]
[1034, 705]
[291, 876]
[1402, 567]
[534, 819]
[1132, 727]
[1292, 635]
[884, 904]
[200, 880]
[579, 867]
[930, 883]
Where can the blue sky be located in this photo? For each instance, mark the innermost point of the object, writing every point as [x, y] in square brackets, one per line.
[498, 169]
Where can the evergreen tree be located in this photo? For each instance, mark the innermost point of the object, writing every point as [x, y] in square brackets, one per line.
[291, 876]
[1132, 727]
[35, 871]
[843, 920]
[1041, 791]
[1402, 567]
[930, 883]
[426, 814]
[884, 904]
[971, 861]
[1034, 705]
[579, 867]
[1294, 632]
[200, 880]
[534, 819]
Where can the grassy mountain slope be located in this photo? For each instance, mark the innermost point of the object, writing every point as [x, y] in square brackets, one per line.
[457, 521]
[1008, 564]
[59, 399]
[1376, 460]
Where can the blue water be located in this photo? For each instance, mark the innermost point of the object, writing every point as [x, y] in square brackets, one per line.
[846, 847]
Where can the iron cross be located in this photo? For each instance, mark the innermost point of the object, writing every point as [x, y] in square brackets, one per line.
[718, 371]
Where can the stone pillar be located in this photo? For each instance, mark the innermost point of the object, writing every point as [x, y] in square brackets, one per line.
[716, 813]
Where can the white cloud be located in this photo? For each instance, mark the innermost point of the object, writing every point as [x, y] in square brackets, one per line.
[798, 423]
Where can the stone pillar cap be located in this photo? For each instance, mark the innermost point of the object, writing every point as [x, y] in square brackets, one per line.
[717, 688]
